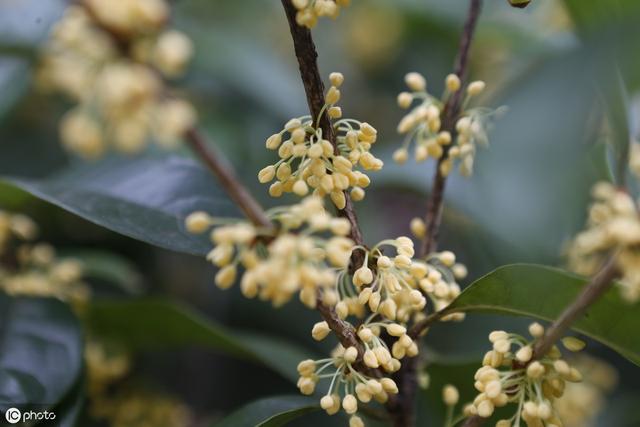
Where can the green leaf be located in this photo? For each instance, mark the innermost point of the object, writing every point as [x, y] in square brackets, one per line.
[270, 412]
[144, 198]
[278, 354]
[40, 352]
[107, 267]
[156, 324]
[544, 292]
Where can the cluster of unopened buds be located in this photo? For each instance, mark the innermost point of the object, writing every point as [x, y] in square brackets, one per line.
[398, 287]
[295, 256]
[510, 374]
[35, 269]
[112, 59]
[310, 161]
[309, 11]
[613, 227]
[423, 125]
[347, 385]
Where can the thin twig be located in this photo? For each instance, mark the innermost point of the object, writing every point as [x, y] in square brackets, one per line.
[451, 111]
[307, 56]
[403, 411]
[600, 283]
[417, 329]
[228, 179]
[589, 295]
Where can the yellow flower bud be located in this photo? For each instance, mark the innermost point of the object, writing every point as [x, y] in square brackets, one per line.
[573, 344]
[226, 276]
[267, 174]
[336, 79]
[357, 194]
[351, 354]
[452, 82]
[475, 88]
[273, 142]
[415, 81]
[389, 385]
[404, 100]
[332, 96]
[450, 395]
[350, 404]
[320, 331]
[400, 155]
[198, 222]
[338, 199]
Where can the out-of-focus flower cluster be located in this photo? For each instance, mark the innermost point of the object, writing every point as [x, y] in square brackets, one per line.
[613, 227]
[583, 401]
[510, 375]
[300, 255]
[34, 269]
[309, 160]
[126, 405]
[111, 57]
[423, 125]
[309, 11]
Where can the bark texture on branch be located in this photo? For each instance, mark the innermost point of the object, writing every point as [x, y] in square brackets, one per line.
[307, 56]
[403, 411]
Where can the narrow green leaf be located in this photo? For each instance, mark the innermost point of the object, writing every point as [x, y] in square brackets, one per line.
[544, 292]
[156, 324]
[270, 412]
[616, 102]
[144, 198]
[40, 352]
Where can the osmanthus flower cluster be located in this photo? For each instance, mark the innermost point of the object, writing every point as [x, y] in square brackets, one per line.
[34, 269]
[301, 255]
[308, 160]
[112, 59]
[423, 124]
[613, 227]
[510, 375]
[347, 386]
[309, 11]
[398, 287]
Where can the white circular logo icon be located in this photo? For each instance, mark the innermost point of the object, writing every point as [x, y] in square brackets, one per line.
[13, 415]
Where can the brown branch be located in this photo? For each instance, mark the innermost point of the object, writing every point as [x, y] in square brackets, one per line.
[598, 285]
[238, 192]
[307, 56]
[451, 111]
[403, 410]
